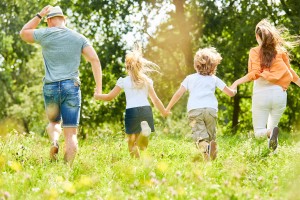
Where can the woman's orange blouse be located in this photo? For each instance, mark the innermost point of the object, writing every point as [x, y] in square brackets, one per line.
[280, 73]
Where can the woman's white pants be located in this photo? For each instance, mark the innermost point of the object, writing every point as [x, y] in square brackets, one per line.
[268, 105]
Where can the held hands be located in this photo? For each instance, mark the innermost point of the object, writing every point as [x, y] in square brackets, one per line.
[98, 94]
[45, 10]
[166, 113]
[234, 90]
[234, 87]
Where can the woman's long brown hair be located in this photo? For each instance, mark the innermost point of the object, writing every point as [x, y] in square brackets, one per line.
[273, 42]
[270, 40]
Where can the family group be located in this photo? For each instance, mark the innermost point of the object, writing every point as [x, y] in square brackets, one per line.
[268, 66]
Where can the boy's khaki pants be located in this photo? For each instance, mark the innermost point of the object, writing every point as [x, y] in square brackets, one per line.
[203, 122]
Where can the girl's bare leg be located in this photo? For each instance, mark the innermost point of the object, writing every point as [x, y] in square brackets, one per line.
[142, 142]
[132, 147]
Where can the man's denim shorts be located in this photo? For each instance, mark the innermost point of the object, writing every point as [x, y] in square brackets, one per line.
[63, 102]
[134, 117]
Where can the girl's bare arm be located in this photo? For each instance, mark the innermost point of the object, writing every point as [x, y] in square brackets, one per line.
[110, 96]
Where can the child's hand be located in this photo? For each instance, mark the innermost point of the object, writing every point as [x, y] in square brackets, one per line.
[233, 87]
[98, 96]
[234, 91]
[166, 113]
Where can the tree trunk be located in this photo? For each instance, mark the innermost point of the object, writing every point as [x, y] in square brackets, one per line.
[26, 125]
[236, 112]
[184, 27]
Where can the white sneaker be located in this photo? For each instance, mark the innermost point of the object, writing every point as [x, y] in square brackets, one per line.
[146, 130]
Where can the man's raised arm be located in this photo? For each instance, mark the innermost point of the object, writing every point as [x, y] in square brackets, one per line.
[27, 31]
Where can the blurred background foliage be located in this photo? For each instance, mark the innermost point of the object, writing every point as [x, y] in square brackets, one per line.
[171, 31]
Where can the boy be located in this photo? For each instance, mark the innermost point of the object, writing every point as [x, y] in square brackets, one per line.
[202, 104]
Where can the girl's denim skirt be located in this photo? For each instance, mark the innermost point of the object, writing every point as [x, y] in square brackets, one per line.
[134, 117]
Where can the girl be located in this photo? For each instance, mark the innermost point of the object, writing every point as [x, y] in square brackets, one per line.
[202, 104]
[269, 67]
[137, 86]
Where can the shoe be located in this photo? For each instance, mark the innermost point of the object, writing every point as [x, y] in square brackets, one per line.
[203, 146]
[212, 150]
[146, 130]
[273, 141]
[54, 151]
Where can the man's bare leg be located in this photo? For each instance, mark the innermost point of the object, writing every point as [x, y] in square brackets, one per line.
[54, 131]
[71, 144]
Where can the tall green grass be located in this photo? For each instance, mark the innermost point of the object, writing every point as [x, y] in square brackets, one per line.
[171, 168]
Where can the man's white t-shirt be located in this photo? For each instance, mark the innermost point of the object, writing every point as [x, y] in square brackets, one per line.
[202, 91]
[135, 97]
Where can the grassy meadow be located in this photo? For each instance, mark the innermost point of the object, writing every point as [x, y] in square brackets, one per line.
[171, 168]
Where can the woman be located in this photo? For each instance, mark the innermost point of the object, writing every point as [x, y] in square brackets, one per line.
[270, 69]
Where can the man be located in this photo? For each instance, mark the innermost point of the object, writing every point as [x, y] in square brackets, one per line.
[62, 49]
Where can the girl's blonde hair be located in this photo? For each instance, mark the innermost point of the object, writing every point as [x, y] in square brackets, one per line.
[206, 61]
[272, 42]
[138, 67]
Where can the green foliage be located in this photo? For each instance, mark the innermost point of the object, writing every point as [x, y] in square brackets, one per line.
[21, 71]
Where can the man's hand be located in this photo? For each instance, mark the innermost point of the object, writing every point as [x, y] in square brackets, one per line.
[98, 90]
[97, 96]
[45, 10]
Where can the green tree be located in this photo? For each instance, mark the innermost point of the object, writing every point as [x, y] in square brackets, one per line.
[20, 72]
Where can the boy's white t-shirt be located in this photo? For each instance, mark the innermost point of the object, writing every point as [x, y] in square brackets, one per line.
[135, 97]
[202, 91]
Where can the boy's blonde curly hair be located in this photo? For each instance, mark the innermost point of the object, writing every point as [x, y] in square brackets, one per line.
[206, 61]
